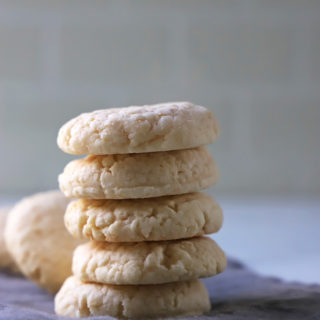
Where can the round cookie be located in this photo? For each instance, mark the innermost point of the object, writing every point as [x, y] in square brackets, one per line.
[153, 219]
[6, 261]
[37, 239]
[148, 262]
[141, 175]
[137, 129]
[78, 299]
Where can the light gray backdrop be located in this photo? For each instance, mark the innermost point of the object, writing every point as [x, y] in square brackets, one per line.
[255, 64]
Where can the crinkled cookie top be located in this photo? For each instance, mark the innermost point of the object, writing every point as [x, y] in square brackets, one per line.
[80, 299]
[136, 129]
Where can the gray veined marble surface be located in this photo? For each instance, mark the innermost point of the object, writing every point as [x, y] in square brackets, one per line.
[238, 294]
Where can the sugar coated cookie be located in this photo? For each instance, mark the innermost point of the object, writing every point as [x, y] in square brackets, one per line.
[141, 175]
[78, 299]
[6, 261]
[152, 219]
[149, 128]
[38, 240]
[148, 262]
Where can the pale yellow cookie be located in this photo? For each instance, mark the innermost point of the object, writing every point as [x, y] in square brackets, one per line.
[141, 175]
[163, 218]
[148, 262]
[149, 128]
[6, 261]
[78, 299]
[38, 240]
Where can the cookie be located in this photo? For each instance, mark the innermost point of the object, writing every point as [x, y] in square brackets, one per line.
[138, 129]
[37, 239]
[6, 261]
[148, 262]
[78, 299]
[141, 175]
[163, 218]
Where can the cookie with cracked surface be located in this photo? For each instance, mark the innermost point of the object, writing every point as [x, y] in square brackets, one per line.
[137, 129]
[38, 240]
[152, 219]
[78, 299]
[148, 262]
[140, 175]
[6, 261]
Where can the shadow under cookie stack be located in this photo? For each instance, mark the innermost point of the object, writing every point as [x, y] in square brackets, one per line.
[140, 206]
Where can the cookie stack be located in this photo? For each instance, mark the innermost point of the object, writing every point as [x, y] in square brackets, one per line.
[139, 205]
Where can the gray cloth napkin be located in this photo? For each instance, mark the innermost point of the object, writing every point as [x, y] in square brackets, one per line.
[238, 293]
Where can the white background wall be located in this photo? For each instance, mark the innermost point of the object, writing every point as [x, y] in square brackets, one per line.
[255, 64]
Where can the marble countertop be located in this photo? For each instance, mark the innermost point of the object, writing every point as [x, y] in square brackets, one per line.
[274, 236]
